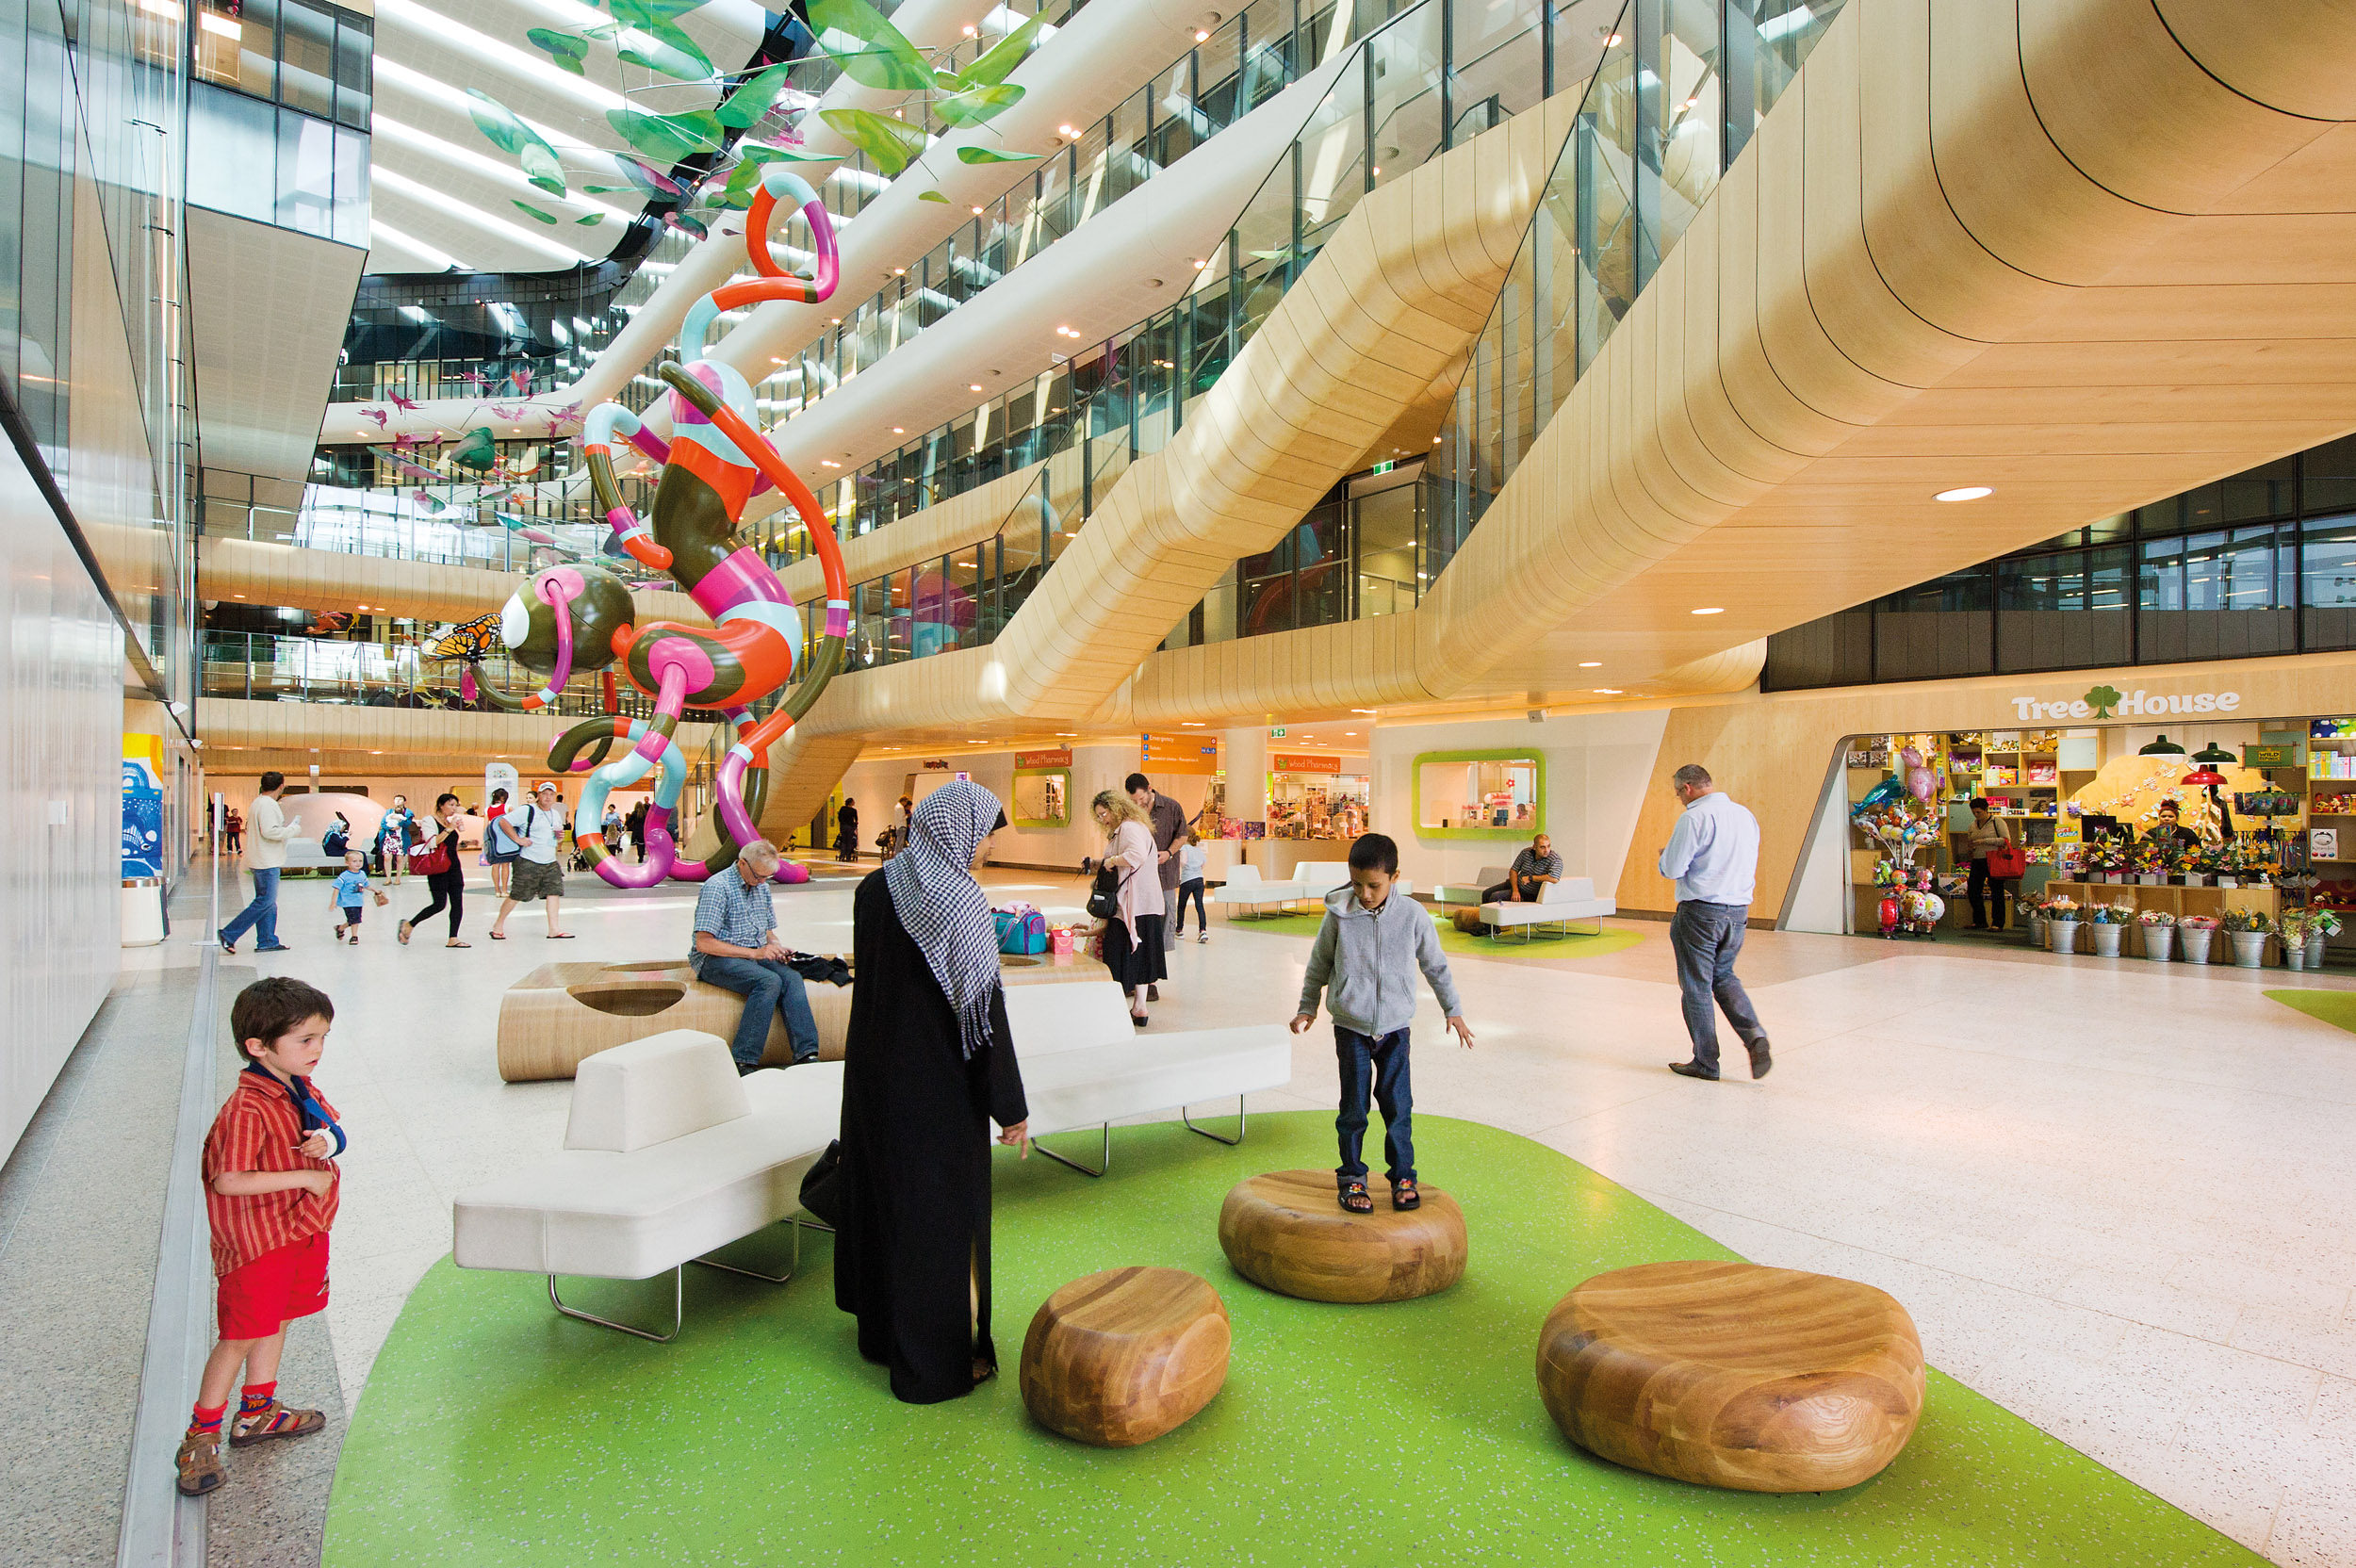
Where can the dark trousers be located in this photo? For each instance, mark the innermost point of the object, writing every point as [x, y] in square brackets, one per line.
[1382, 1066]
[1190, 888]
[1980, 884]
[847, 842]
[1706, 937]
[1531, 888]
[767, 985]
[447, 887]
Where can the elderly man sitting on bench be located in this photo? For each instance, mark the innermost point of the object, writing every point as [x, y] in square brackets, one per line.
[1533, 868]
[736, 947]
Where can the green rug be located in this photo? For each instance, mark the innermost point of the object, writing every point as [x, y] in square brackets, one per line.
[494, 1432]
[1452, 941]
[2337, 1008]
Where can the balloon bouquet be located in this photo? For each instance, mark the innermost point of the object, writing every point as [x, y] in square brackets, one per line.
[1900, 815]
[577, 616]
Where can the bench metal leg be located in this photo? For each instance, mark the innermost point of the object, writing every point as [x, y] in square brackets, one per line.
[679, 1298]
[1213, 1136]
[1104, 1160]
[792, 1223]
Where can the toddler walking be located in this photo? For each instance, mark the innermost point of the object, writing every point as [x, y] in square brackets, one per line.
[1365, 959]
[351, 896]
[269, 1194]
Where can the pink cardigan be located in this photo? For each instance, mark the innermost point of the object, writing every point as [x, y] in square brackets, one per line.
[1141, 880]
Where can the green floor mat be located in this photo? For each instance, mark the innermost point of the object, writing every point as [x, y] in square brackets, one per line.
[2337, 1008]
[494, 1432]
[1579, 945]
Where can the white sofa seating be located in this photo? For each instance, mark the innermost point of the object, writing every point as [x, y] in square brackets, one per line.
[1084, 1064]
[1244, 888]
[1470, 892]
[1558, 904]
[667, 1155]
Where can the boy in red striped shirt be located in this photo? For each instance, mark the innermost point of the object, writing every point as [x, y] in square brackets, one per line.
[270, 1192]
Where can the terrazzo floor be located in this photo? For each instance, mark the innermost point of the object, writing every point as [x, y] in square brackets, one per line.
[2111, 1193]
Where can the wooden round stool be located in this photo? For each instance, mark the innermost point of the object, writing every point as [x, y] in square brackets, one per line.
[1287, 1231]
[1731, 1375]
[1119, 1358]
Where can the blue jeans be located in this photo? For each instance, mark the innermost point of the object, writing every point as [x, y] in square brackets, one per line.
[1706, 937]
[262, 914]
[1190, 888]
[1380, 1064]
[766, 984]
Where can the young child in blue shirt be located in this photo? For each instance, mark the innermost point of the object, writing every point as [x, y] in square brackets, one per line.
[352, 895]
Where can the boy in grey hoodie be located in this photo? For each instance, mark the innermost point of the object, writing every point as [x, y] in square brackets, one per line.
[1365, 959]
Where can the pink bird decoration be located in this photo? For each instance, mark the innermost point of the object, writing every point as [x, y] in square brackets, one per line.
[380, 416]
[404, 404]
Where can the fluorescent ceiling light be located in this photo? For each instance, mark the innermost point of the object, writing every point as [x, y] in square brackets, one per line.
[439, 200]
[1965, 493]
[496, 170]
[445, 33]
[379, 229]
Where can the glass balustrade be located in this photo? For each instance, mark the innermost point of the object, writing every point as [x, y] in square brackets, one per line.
[261, 666]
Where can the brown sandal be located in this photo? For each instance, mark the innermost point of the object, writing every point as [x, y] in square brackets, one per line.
[273, 1420]
[402, 930]
[198, 1464]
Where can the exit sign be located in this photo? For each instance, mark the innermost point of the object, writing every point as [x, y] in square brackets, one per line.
[1382, 468]
[1277, 733]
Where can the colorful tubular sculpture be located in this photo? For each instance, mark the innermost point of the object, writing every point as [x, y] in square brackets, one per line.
[579, 617]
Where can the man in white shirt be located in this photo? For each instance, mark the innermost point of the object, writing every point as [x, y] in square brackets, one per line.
[536, 830]
[265, 856]
[1712, 856]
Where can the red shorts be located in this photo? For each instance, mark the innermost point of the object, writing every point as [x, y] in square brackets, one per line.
[258, 1299]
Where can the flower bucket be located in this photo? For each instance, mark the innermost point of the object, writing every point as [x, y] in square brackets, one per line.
[2250, 949]
[2196, 943]
[2159, 942]
[2037, 930]
[2065, 935]
[2295, 954]
[2106, 940]
[2315, 949]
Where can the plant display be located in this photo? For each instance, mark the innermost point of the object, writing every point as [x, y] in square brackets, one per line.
[2107, 854]
[2245, 922]
[2323, 920]
[2156, 918]
[2197, 922]
[755, 123]
[2156, 856]
[2292, 926]
[2110, 914]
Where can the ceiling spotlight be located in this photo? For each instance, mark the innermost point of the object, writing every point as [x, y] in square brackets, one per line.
[977, 212]
[1607, 691]
[1065, 130]
[1201, 35]
[1965, 493]
[970, 29]
[1200, 265]
[1590, 664]
[1711, 610]
[899, 429]
[973, 387]
[828, 462]
[899, 271]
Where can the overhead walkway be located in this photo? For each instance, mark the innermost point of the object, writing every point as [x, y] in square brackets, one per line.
[1971, 244]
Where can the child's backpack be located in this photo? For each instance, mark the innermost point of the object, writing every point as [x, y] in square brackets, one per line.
[1021, 930]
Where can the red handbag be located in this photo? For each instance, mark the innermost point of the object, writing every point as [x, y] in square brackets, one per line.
[2008, 861]
[431, 862]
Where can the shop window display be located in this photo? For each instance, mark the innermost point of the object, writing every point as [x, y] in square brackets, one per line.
[1479, 794]
[1309, 798]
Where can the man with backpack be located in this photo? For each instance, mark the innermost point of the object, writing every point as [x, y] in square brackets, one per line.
[535, 832]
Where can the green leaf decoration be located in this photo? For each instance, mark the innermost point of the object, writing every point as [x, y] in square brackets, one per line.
[932, 196]
[547, 217]
[591, 221]
[541, 168]
[754, 97]
[608, 189]
[871, 50]
[988, 155]
[665, 138]
[498, 125]
[754, 152]
[687, 225]
[1004, 56]
[567, 49]
[665, 46]
[946, 81]
[893, 144]
[977, 106]
[736, 193]
[647, 178]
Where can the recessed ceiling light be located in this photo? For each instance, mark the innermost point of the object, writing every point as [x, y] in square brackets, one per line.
[828, 462]
[899, 429]
[1607, 691]
[1711, 610]
[1590, 664]
[977, 212]
[1201, 35]
[1965, 493]
[973, 387]
[1065, 130]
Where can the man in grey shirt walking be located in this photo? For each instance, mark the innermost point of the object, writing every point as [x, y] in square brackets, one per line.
[1712, 856]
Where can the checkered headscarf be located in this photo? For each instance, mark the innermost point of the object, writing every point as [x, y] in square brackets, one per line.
[932, 886]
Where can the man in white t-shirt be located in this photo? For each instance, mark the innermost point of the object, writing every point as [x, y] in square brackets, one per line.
[537, 831]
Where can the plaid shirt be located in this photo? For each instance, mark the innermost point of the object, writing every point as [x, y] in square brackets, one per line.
[258, 1129]
[733, 912]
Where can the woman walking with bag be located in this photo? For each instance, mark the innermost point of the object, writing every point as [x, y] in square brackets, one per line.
[1127, 899]
[929, 1064]
[445, 878]
[497, 853]
[1989, 845]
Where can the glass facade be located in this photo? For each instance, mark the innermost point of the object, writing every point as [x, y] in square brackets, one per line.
[2261, 563]
[278, 117]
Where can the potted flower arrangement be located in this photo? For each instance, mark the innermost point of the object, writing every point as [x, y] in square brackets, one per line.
[2157, 860]
[2159, 934]
[2208, 862]
[2106, 859]
[2061, 924]
[2105, 925]
[2195, 932]
[2292, 928]
[2247, 863]
[2321, 923]
[2248, 929]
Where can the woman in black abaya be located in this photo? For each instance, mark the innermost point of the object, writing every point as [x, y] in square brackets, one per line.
[929, 1064]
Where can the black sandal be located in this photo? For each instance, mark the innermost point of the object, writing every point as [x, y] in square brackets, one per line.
[1405, 1197]
[1354, 1198]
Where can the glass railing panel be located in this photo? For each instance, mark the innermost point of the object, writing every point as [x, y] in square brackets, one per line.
[1403, 88]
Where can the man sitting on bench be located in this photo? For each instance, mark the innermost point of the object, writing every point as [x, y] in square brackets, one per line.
[1533, 868]
[736, 947]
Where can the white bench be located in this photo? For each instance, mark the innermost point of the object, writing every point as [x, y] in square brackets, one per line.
[1245, 889]
[1559, 903]
[1084, 1064]
[667, 1155]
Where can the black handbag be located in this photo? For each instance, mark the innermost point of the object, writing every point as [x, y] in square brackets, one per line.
[821, 1186]
[1104, 897]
